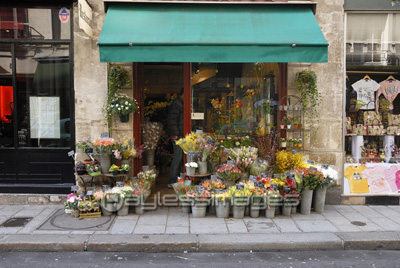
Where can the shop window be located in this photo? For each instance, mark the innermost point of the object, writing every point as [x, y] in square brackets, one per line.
[372, 142]
[232, 99]
[6, 98]
[34, 23]
[43, 93]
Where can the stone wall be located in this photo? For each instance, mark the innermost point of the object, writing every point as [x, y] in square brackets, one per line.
[326, 145]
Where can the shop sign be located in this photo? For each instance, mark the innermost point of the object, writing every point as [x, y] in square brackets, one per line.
[63, 15]
[85, 17]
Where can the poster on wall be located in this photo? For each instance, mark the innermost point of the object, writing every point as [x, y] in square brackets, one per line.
[380, 178]
[44, 117]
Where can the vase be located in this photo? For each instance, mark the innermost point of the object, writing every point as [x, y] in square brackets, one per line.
[270, 212]
[123, 210]
[124, 118]
[286, 209]
[199, 210]
[294, 210]
[202, 167]
[190, 171]
[105, 163]
[222, 208]
[150, 157]
[319, 199]
[75, 213]
[306, 201]
[107, 208]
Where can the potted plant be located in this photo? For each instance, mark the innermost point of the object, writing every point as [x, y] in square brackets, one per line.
[122, 106]
[222, 204]
[93, 170]
[282, 124]
[330, 178]
[309, 94]
[80, 168]
[125, 168]
[199, 201]
[384, 104]
[283, 142]
[114, 169]
[191, 168]
[311, 179]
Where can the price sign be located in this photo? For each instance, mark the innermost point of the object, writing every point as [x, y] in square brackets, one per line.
[210, 141]
[259, 184]
[89, 150]
[230, 162]
[286, 188]
[137, 185]
[71, 153]
[182, 175]
[214, 177]
[239, 187]
[120, 184]
[325, 166]
[276, 176]
[104, 135]
[124, 147]
[252, 178]
[274, 185]
[295, 151]
[313, 169]
[199, 131]
[74, 188]
[105, 188]
[227, 151]
[145, 168]
[89, 193]
[188, 182]
[312, 162]
[199, 188]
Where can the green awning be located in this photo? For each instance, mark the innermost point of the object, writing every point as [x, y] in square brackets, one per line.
[211, 33]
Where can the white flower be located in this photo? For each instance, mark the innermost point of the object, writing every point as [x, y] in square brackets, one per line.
[126, 102]
[191, 164]
[130, 104]
[122, 106]
[126, 108]
[116, 105]
[237, 143]
[119, 109]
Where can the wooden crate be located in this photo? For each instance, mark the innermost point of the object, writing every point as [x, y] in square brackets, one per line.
[90, 215]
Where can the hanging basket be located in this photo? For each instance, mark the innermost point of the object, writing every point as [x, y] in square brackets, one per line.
[124, 118]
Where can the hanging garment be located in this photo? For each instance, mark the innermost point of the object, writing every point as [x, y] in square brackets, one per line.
[365, 89]
[390, 89]
[357, 183]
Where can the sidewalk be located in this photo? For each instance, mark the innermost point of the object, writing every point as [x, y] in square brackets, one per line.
[340, 227]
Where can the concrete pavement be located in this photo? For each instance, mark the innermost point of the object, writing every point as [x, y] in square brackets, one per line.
[168, 229]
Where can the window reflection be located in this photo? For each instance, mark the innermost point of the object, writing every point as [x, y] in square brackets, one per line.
[233, 99]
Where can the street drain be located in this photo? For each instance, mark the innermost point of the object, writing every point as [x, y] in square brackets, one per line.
[16, 222]
[358, 223]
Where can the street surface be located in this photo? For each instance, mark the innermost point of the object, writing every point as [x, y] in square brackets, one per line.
[296, 259]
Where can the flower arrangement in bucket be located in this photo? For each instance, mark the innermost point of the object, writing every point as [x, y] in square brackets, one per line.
[151, 135]
[189, 143]
[128, 150]
[229, 172]
[213, 185]
[207, 145]
[104, 146]
[191, 168]
[243, 157]
[149, 176]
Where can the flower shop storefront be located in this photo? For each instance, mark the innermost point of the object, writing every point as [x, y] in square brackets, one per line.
[239, 119]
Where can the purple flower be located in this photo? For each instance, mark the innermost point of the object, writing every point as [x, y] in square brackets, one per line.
[85, 139]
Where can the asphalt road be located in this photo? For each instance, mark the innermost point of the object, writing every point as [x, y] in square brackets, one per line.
[309, 259]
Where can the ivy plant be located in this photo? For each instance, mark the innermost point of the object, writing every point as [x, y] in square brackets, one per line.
[309, 94]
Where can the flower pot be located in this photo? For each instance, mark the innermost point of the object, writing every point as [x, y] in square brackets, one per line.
[238, 211]
[139, 209]
[282, 126]
[75, 213]
[150, 157]
[300, 126]
[81, 172]
[190, 171]
[107, 208]
[202, 167]
[290, 144]
[294, 210]
[123, 210]
[319, 199]
[306, 201]
[115, 173]
[289, 126]
[124, 118]
[270, 212]
[255, 210]
[105, 162]
[199, 210]
[286, 209]
[222, 208]
[295, 126]
[186, 207]
[283, 144]
[68, 211]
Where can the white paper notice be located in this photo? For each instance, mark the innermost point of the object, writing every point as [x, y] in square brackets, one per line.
[44, 117]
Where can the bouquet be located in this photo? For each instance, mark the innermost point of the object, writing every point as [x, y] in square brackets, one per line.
[222, 196]
[287, 161]
[128, 150]
[151, 134]
[207, 146]
[189, 143]
[243, 157]
[204, 196]
[191, 164]
[213, 185]
[122, 192]
[311, 178]
[229, 172]
[181, 188]
[149, 175]
[104, 146]
[330, 176]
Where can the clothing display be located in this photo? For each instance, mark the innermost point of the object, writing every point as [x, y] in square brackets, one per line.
[392, 179]
[366, 89]
[375, 176]
[357, 183]
[390, 89]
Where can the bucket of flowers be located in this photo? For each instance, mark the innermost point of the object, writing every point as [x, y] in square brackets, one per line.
[149, 176]
[199, 200]
[229, 173]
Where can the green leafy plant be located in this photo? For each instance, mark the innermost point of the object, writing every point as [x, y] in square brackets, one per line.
[309, 94]
[122, 105]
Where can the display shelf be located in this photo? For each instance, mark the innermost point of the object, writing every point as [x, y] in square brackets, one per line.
[290, 110]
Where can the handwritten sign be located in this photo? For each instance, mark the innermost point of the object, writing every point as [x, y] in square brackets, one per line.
[311, 162]
[313, 169]
[89, 193]
[124, 147]
[325, 166]
[286, 188]
[274, 185]
[199, 188]
[252, 178]
[188, 182]
[259, 184]
[145, 168]
[214, 177]
[89, 150]
[74, 188]
[120, 184]
[71, 153]
[295, 151]
[239, 187]
[104, 135]
[105, 188]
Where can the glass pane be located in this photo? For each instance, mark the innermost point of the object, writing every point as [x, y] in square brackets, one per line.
[234, 98]
[373, 39]
[6, 98]
[43, 92]
[34, 23]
